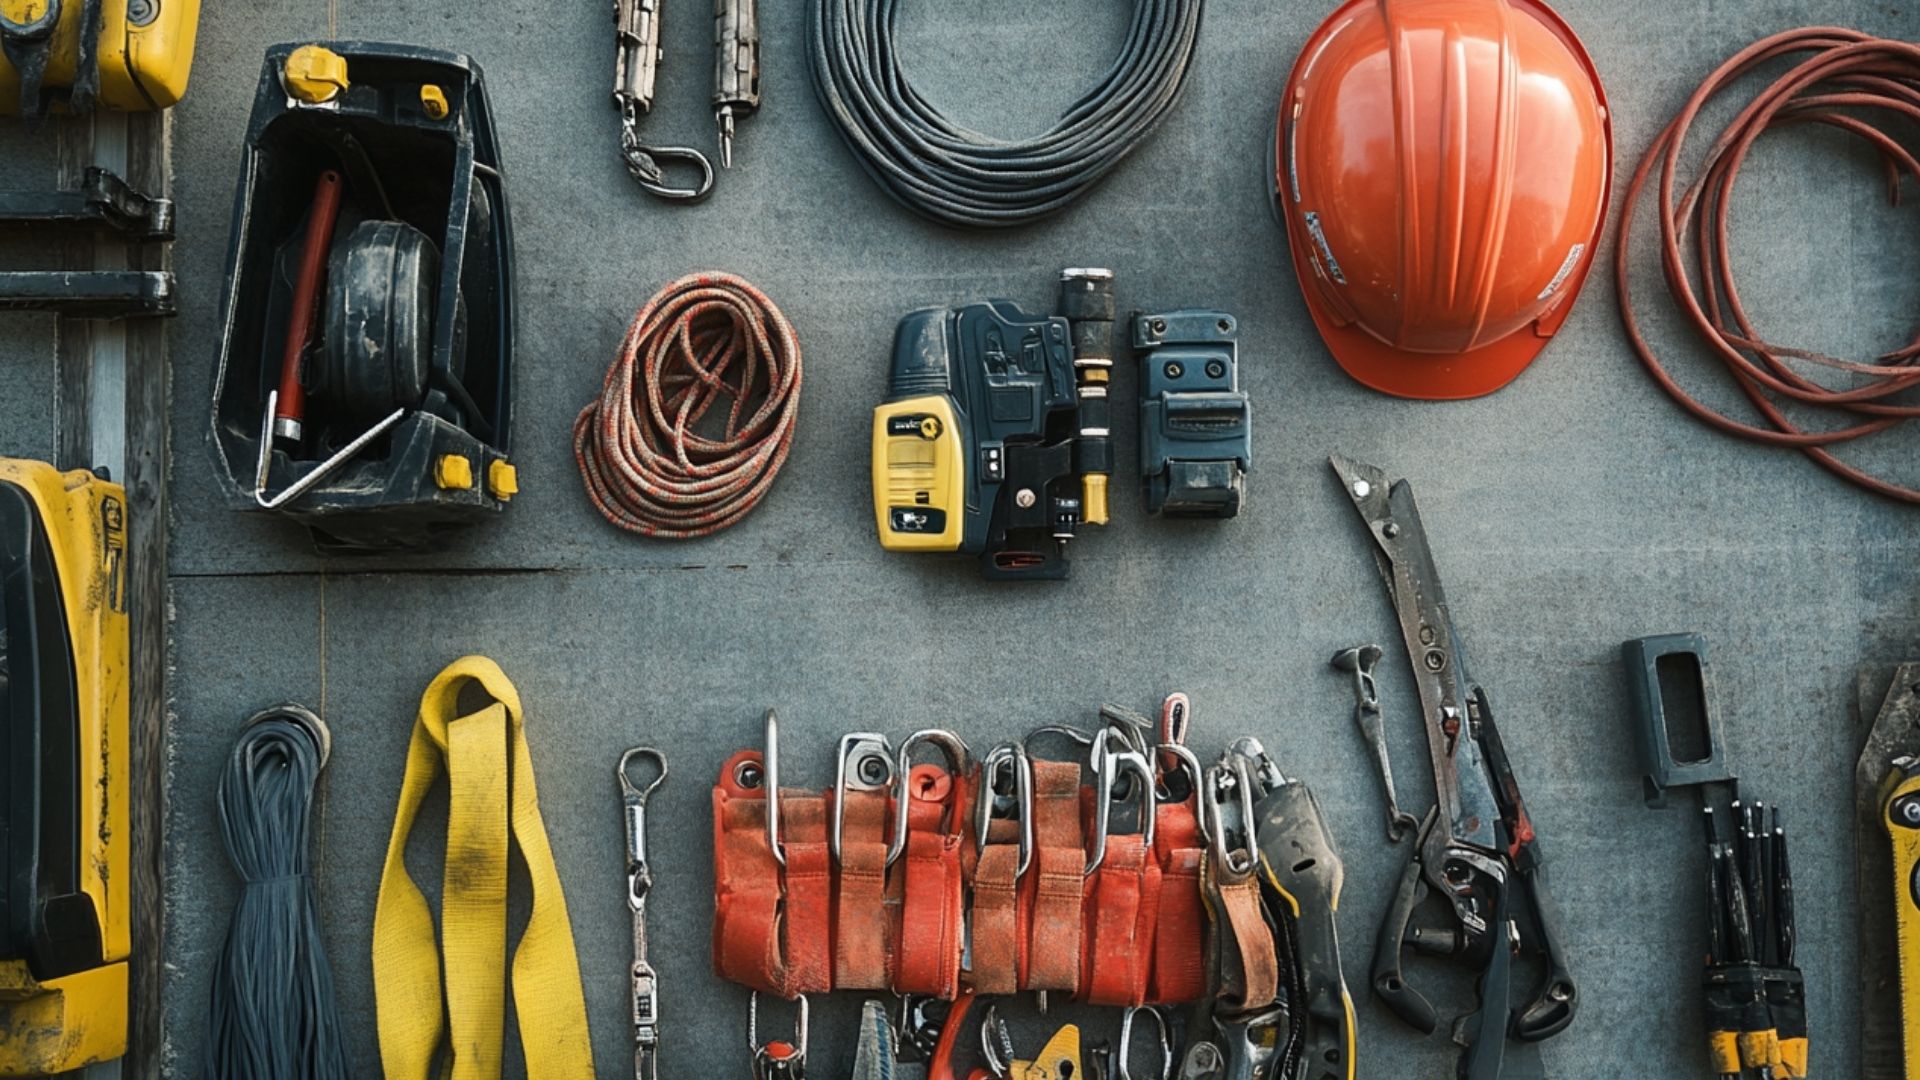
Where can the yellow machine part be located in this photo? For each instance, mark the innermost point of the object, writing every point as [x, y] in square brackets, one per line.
[919, 467]
[1058, 1060]
[145, 53]
[1904, 780]
[77, 1019]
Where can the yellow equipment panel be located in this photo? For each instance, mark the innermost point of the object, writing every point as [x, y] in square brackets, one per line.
[145, 52]
[60, 1024]
[919, 477]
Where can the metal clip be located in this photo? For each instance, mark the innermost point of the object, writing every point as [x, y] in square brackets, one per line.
[1008, 758]
[871, 756]
[644, 163]
[1228, 784]
[318, 472]
[1124, 1052]
[634, 798]
[646, 998]
[770, 776]
[775, 1059]
[1112, 764]
[958, 759]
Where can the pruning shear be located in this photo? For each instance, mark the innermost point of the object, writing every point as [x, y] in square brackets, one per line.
[1477, 847]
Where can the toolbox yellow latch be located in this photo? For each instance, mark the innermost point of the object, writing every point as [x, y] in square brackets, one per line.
[315, 74]
[453, 472]
[503, 480]
[433, 102]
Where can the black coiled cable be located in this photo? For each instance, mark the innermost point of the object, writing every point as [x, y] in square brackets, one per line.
[273, 1014]
[960, 177]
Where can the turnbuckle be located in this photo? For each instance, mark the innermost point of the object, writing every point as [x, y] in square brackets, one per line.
[777, 1059]
[645, 989]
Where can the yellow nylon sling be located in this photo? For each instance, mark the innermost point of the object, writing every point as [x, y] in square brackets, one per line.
[490, 791]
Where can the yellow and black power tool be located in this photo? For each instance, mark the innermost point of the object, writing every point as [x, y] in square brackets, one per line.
[132, 55]
[994, 437]
[64, 900]
[1900, 802]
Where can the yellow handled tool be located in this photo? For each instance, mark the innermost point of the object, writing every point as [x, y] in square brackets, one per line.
[1900, 813]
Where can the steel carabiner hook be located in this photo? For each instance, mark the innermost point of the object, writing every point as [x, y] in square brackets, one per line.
[992, 800]
[644, 164]
[634, 797]
[959, 761]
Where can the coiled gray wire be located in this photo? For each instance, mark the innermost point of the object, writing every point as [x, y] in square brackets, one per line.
[960, 177]
[273, 1014]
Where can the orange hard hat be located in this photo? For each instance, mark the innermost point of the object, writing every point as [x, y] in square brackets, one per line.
[1443, 167]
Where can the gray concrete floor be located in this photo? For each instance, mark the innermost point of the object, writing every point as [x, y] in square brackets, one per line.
[1575, 509]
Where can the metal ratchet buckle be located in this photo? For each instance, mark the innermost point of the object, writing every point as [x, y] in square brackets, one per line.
[1228, 805]
[958, 761]
[1113, 765]
[777, 1059]
[1006, 763]
[863, 762]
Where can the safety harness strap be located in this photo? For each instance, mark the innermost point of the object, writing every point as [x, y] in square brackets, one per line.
[927, 941]
[1179, 962]
[1122, 899]
[746, 883]
[999, 921]
[1249, 976]
[1054, 885]
[808, 887]
[861, 926]
[492, 801]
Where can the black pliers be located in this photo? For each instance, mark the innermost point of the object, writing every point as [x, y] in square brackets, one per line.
[1477, 847]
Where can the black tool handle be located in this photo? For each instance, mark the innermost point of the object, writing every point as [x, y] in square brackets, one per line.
[1389, 977]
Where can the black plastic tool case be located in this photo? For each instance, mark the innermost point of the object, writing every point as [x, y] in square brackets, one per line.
[441, 176]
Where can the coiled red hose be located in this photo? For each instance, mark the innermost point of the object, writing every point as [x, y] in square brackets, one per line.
[1842, 72]
[702, 340]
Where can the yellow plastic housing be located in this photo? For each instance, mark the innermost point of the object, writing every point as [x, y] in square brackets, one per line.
[1904, 780]
[922, 468]
[69, 1022]
[144, 59]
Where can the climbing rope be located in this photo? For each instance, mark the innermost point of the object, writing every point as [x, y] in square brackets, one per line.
[1842, 70]
[703, 340]
[273, 1014]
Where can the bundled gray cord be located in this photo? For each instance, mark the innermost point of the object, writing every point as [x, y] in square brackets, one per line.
[273, 1013]
[960, 177]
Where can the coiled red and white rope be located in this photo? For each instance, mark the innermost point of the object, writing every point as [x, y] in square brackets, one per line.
[707, 339]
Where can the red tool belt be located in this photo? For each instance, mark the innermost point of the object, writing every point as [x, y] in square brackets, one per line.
[928, 882]
[862, 926]
[889, 911]
[1179, 961]
[1054, 885]
[746, 882]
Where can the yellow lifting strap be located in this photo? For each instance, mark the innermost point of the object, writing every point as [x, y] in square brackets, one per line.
[490, 791]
